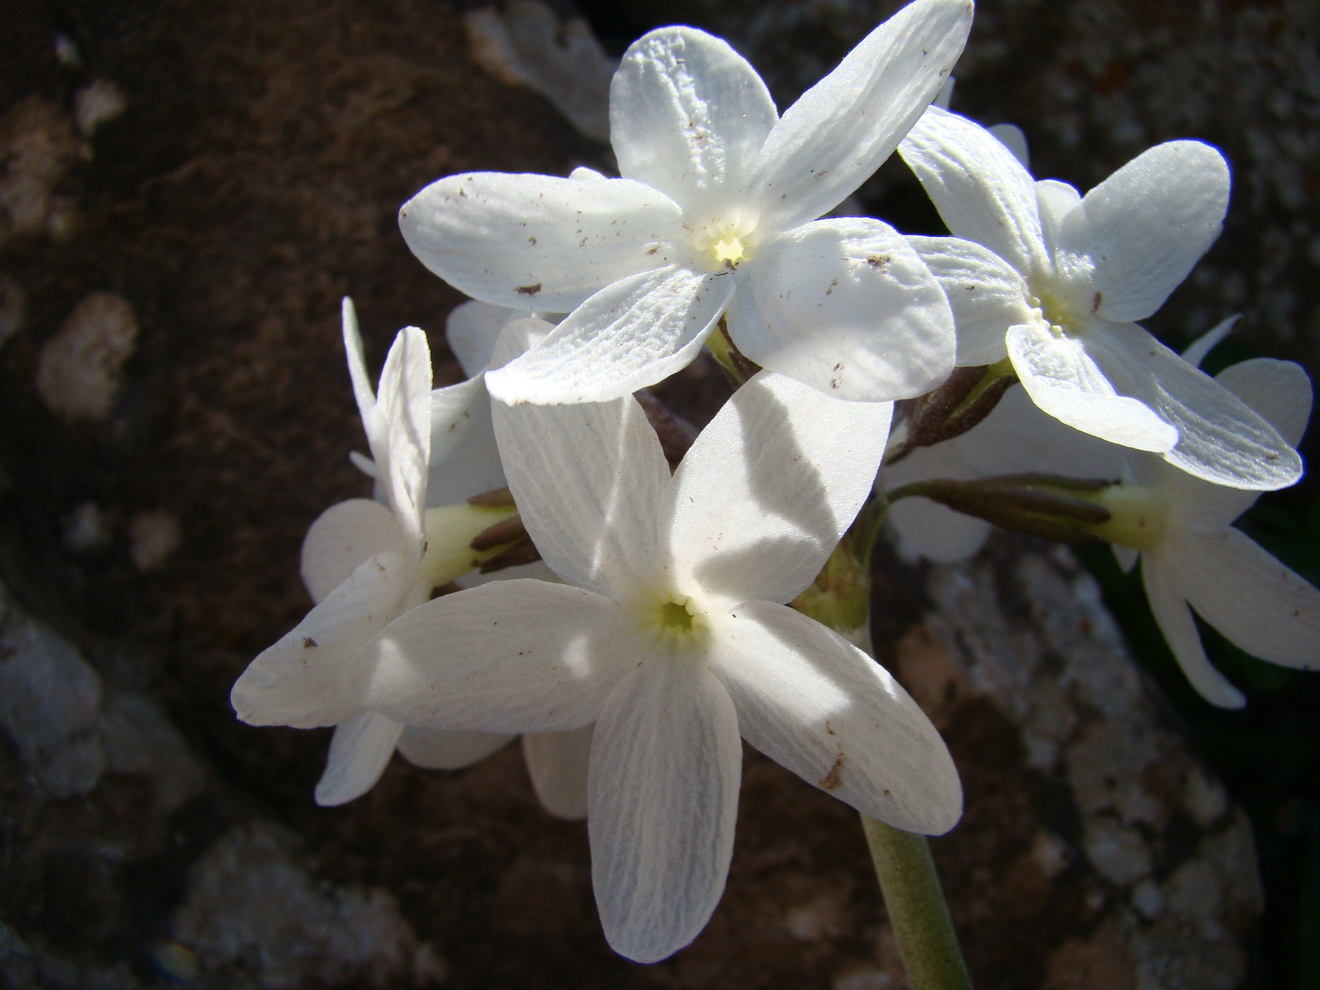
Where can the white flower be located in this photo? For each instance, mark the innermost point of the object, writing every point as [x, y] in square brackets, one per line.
[717, 200]
[670, 636]
[364, 563]
[1177, 525]
[465, 460]
[1180, 529]
[1054, 280]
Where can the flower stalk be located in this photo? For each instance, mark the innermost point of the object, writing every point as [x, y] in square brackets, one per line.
[916, 906]
[840, 598]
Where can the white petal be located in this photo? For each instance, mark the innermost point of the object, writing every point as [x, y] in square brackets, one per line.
[687, 114]
[769, 487]
[472, 329]
[404, 402]
[1147, 224]
[448, 749]
[1126, 557]
[819, 706]
[536, 569]
[1012, 138]
[511, 656]
[840, 130]
[629, 335]
[1221, 440]
[1056, 200]
[306, 679]
[373, 419]
[464, 457]
[1196, 506]
[986, 294]
[590, 481]
[557, 763]
[1065, 381]
[848, 307]
[359, 752]
[342, 538]
[518, 337]
[1020, 437]
[930, 530]
[982, 192]
[357, 373]
[364, 464]
[1179, 628]
[663, 794]
[537, 241]
[1280, 391]
[1204, 344]
[1267, 609]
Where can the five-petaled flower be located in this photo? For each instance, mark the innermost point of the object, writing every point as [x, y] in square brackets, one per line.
[364, 563]
[1180, 528]
[1177, 525]
[715, 215]
[672, 637]
[1054, 279]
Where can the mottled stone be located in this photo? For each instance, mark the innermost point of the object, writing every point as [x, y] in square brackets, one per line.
[50, 704]
[1116, 889]
[153, 537]
[78, 374]
[250, 904]
[38, 147]
[97, 103]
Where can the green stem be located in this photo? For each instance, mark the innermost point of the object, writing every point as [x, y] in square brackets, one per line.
[840, 598]
[917, 911]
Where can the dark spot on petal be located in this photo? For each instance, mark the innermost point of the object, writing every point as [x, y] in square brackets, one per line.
[308, 643]
[833, 779]
[528, 290]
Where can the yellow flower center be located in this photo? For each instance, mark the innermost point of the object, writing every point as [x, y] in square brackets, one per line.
[1050, 312]
[676, 617]
[729, 250]
[672, 618]
[723, 241]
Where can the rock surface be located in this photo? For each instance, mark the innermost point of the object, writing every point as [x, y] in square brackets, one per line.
[249, 178]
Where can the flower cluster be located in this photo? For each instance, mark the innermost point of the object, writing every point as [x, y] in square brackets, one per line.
[657, 629]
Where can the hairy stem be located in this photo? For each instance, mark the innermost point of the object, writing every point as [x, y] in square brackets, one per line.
[916, 907]
[840, 598]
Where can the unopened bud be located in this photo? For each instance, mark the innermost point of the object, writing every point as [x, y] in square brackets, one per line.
[1051, 506]
[967, 396]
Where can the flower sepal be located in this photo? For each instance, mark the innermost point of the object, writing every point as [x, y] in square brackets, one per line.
[1071, 510]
